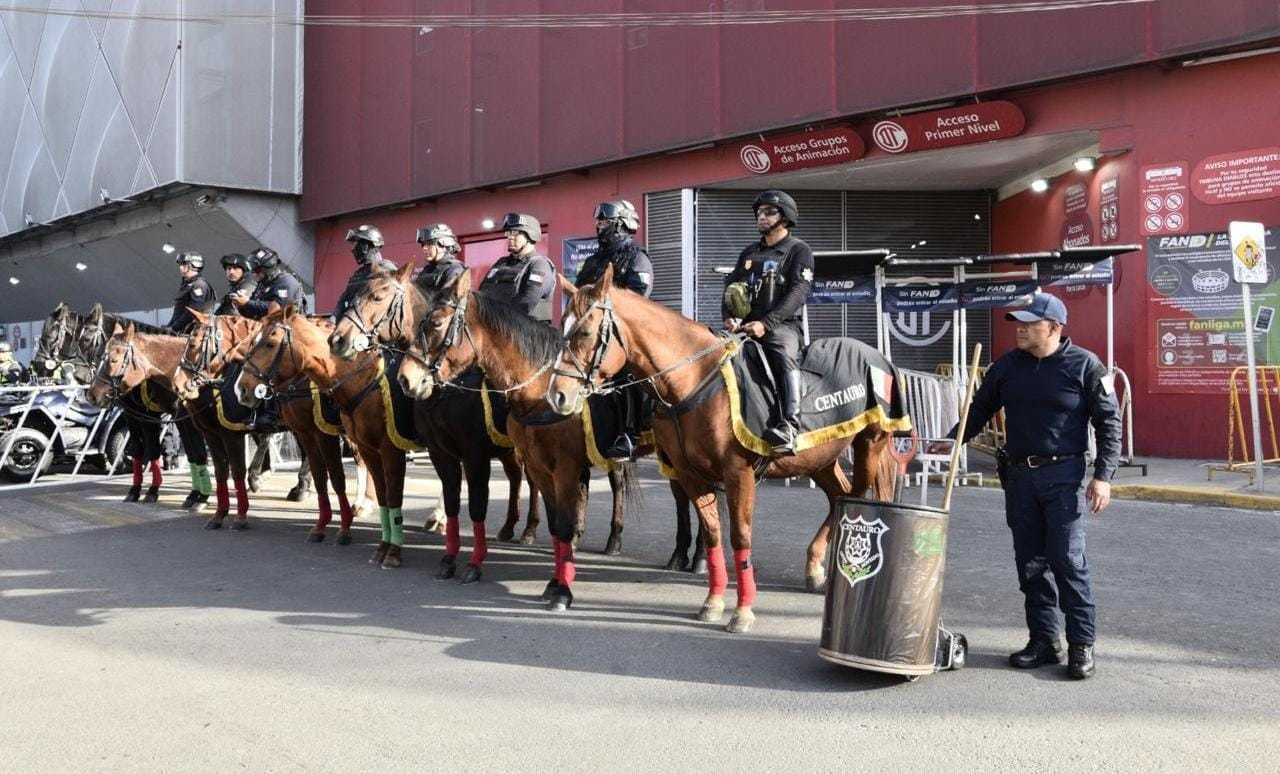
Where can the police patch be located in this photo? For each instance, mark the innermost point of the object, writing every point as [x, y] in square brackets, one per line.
[806, 275]
[747, 265]
[283, 292]
[197, 292]
[534, 277]
[644, 277]
[858, 552]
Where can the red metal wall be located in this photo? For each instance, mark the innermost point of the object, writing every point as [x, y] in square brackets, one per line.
[394, 114]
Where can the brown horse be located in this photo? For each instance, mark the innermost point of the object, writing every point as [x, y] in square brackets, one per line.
[212, 341]
[132, 358]
[290, 349]
[460, 330]
[616, 328]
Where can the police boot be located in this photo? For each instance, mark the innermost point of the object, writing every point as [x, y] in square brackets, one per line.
[782, 436]
[623, 448]
[1037, 653]
[1080, 661]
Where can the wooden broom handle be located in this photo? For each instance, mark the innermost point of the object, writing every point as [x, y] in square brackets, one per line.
[964, 420]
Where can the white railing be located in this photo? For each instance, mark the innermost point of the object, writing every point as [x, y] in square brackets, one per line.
[933, 403]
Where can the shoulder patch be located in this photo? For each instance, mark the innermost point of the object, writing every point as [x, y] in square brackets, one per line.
[283, 292]
[197, 292]
[806, 274]
[535, 277]
[645, 277]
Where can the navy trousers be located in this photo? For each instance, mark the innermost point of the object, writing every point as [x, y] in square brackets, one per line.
[1044, 508]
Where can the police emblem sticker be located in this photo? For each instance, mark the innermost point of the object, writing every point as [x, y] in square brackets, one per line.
[859, 555]
[806, 275]
[283, 292]
[197, 292]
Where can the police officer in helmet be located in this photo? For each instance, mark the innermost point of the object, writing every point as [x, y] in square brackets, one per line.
[440, 251]
[764, 298]
[275, 284]
[616, 226]
[366, 247]
[1051, 391]
[195, 292]
[239, 271]
[522, 277]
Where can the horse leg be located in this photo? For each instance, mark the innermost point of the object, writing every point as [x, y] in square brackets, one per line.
[306, 472]
[154, 450]
[220, 472]
[684, 539]
[329, 450]
[197, 451]
[374, 465]
[477, 472]
[393, 465]
[618, 483]
[314, 464]
[364, 482]
[868, 447]
[740, 491]
[511, 467]
[449, 469]
[566, 526]
[703, 498]
[259, 460]
[235, 453]
[533, 517]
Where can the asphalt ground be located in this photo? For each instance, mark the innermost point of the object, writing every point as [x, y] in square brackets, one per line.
[131, 639]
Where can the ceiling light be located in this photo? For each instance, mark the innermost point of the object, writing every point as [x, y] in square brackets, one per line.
[923, 242]
[168, 248]
[80, 266]
[1085, 164]
[487, 224]
[977, 216]
[14, 280]
[1039, 185]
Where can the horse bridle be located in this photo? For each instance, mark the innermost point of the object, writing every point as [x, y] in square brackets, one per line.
[267, 378]
[55, 353]
[210, 346]
[604, 337]
[432, 358]
[391, 317]
[112, 381]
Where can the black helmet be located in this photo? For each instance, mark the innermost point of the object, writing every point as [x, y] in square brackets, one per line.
[264, 258]
[780, 199]
[195, 259]
[515, 221]
[366, 233]
[439, 234]
[622, 212]
[236, 259]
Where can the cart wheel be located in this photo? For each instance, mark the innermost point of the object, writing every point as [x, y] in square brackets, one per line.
[959, 651]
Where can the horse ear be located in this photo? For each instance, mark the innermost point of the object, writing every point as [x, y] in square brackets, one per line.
[568, 287]
[463, 284]
[288, 312]
[606, 280]
[405, 272]
[274, 312]
[131, 331]
[201, 316]
[118, 330]
[96, 311]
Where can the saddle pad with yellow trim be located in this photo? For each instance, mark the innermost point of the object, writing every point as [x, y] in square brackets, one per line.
[847, 386]
[324, 412]
[397, 406]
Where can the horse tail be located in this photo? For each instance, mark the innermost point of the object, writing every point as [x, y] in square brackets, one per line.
[631, 491]
[888, 467]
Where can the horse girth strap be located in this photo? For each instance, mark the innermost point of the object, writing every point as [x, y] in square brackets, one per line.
[710, 386]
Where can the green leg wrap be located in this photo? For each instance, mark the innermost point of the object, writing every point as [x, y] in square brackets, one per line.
[397, 526]
[385, 515]
[200, 479]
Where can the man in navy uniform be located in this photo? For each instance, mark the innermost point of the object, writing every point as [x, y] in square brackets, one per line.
[366, 247]
[195, 292]
[440, 249]
[239, 271]
[775, 275]
[274, 284]
[1051, 390]
[522, 277]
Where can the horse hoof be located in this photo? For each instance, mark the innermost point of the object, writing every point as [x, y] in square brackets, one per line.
[677, 562]
[152, 496]
[550, 590]
[448, 568]
[699, 566]
[296, 494]
[815, 584]
[344, 538]
[472, 574]
[712, 611]
[315, 537]
[506, 534]
[561, 601]
[254, 484]
[240, 525]
[391, 562]
[435, 526]
[526, 538]
[613, 547]
[211, 524]
[741, 622]
[379, 553]
[133, 494]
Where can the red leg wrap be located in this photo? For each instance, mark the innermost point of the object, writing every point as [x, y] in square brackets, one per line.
[559, 553]
[746, 574]
[137, 472]
[452, 540]
[344, 508]
[567, 568]
[717, 576]
[480, 549]
[224, 497]
[326, 510]
[156, 477]
[242, 499]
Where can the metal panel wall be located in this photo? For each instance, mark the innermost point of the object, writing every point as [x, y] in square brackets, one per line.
[662, 228]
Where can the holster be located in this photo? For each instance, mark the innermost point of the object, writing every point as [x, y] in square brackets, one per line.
[1002, 463]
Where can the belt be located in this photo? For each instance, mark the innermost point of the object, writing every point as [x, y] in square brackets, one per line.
[1034, 461]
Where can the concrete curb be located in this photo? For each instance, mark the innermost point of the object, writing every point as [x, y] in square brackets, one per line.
[1196, 495]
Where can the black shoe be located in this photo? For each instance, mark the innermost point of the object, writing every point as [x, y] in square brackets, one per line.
[1037, 653]
[623, 448]
[1080, 661]
[782, 438]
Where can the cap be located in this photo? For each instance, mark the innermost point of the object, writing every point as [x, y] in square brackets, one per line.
[1044, 306]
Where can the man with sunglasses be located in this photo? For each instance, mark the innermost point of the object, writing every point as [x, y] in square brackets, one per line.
[366, 247]
[764, 298]
[440, 248]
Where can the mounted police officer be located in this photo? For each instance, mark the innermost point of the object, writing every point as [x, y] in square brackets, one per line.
[366, 247]
[1051, 390]
[616, 226]
[764, 298]
[522, 277]
[195, 292]
[274, 284]
[440, 251]
[239, 271]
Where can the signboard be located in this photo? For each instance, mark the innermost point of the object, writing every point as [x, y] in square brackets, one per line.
[1109, 210]
[1195, 307]
[848, 290]
[920, 297]
[994, 294]
[833, 145]
[1075, 273]
[574, 252]
[1243, 176]
[965, 125]
[1164, 198]
[1248, 252]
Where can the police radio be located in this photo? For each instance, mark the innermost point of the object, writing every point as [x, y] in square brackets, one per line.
[767, 293]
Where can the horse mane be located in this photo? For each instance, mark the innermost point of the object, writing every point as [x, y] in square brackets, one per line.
[109, 320]
[537, 341]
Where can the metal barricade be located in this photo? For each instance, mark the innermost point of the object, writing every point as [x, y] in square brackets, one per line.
[28, 424]
[1239, 420]
[933, 403]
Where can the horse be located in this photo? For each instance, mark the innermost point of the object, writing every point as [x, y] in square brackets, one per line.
[616, 328]
[289, 349]
[208, 347]
[132, 358]
[456, 426]
[460, 330]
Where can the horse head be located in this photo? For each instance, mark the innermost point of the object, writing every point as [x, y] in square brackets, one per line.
[441, 348]
[122, 368]
[379, 315]
[592, 349]
[274, 357]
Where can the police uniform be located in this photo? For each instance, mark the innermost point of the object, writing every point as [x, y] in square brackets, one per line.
[277, 286]
[195, 293]
[440, 273]
[244, 288]
[359, 278]
[632, 268]
[524, 281]
[1049, 403]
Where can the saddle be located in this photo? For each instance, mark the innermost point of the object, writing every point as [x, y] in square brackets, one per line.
[846, 386]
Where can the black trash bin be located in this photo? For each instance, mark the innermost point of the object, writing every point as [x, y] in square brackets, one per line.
[884, 590]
